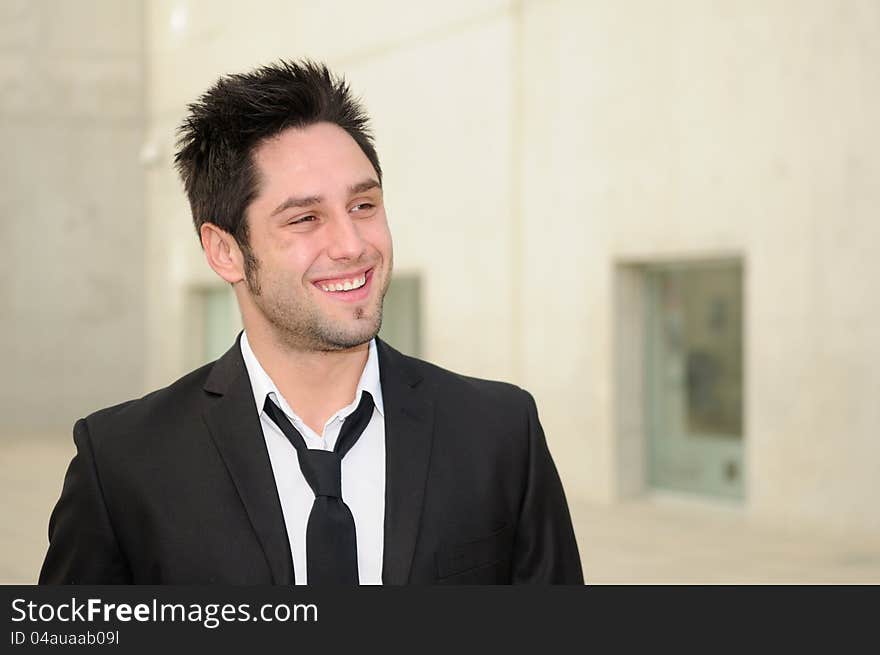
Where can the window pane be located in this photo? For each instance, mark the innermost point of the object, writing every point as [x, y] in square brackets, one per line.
[220, 324]
[695, 377]
[401, 315]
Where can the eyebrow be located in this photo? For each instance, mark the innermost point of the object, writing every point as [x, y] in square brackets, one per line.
[306, 201]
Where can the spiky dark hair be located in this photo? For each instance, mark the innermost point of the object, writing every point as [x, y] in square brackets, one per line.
[217, 139]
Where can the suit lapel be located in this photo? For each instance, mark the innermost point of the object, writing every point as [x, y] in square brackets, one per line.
[234, 424]
[409, 419]
[409, 432]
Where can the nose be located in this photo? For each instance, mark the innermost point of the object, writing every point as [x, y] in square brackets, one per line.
[345, 240]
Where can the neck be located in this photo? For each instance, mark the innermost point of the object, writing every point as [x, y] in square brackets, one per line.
[314, 383]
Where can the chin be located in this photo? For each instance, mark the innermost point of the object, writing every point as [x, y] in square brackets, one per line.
[339, 340]
[339, 345]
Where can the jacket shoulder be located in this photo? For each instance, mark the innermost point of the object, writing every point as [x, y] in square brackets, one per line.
[158, 410]
[468, 389]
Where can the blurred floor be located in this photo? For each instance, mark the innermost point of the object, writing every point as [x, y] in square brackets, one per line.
[664, 540]
[672, 540]
[31, 473]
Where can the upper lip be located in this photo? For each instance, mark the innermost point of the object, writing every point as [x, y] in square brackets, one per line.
[344, 276]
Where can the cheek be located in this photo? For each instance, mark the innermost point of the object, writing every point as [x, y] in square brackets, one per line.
[380, 237]
[290, 264]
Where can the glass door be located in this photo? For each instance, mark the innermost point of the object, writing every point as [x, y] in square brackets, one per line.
[695, 378]
[401, 315]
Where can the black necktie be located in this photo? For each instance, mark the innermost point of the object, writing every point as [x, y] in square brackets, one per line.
[331, 544]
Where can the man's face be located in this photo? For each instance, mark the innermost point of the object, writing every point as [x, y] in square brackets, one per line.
[319, 234]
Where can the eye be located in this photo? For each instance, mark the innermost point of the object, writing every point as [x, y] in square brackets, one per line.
[302, 219]
[363, 207]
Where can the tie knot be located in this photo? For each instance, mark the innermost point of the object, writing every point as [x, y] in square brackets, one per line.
[322, 469]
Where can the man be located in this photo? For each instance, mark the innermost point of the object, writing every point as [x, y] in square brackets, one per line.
[311, 452]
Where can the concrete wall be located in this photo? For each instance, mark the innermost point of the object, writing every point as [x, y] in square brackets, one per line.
[537, 152]
[681, 130]
[71, 211]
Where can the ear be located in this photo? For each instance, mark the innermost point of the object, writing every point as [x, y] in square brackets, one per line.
[222, 253]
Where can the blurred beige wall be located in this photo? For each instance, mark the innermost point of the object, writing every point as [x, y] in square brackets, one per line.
[681, 130]
[72, 218]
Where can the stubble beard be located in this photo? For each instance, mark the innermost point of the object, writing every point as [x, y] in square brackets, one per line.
[298, 322]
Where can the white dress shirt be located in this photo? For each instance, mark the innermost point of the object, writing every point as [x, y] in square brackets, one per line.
[363, 467]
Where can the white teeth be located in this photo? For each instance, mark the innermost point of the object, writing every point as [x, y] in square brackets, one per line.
[348, 285]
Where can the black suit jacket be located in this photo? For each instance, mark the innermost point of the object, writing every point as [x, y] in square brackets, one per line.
[177, 488]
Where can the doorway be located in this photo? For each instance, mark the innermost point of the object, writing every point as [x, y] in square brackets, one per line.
[694, 377]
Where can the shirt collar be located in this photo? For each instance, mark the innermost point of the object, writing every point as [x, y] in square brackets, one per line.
[262, 385]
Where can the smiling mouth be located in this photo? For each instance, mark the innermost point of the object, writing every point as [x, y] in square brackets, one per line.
[347, 288]
[347, 284]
